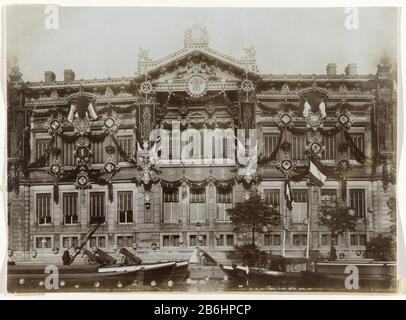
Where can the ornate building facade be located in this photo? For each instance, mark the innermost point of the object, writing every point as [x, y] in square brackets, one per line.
[79, 154]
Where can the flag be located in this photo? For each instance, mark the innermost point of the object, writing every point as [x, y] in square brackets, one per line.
[92, 112]
[315, 175]
[288, 195]
[71, 115]
[306, 109]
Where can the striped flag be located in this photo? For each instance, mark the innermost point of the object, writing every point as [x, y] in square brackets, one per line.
[315, 175]
[288, 195]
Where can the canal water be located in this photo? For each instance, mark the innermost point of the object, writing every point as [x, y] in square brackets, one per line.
[210, 286]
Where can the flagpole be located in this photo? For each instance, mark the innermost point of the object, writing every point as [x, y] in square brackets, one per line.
[308, 220]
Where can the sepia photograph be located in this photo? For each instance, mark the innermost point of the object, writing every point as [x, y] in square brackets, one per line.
[200, 149]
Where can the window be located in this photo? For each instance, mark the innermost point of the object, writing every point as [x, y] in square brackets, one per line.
[225, 240]
[170, 241]
[69, 242]
[97, 207]
[43, 208]
[357, 202]
[298, 147]
[272, 239]
[299, 211]
[197, 205]
[43, 147]
[98, 241]
[171, 205]
[125, 206]
[358, 139]
[329, 152]
[125, 143]
[358, 240]
[222, 146]
[271, 196]
[43, 242]
[224, 201]
[70, 208]
[325, 240]
[97, 152]
[329, 197]
[125, 241]
[270, 143]
[68, 154]
[299, 240]
[193, 240]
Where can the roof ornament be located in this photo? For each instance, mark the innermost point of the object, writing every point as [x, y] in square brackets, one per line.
[196, 35]
[250, 53]
[143, 55]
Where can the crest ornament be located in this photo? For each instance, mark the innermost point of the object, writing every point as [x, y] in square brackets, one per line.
[345, 119]
[55, 170]
[284, 119]
[81, 125]
[146, 172]
[82, 154]
[110, 169]
[82, 181]
[315, 143]
[314, 120]
[210, 108]
[196, 86]
[247, 86]
[286, 166]
[316, 148]
[54, 126]
[342, 167]
[146, 87]
[111, 123]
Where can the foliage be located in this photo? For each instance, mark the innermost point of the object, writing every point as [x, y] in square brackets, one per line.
[381, 248]
[247, 253]
[338, 220]
[253, 215]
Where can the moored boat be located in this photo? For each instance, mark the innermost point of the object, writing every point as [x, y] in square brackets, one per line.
[179, 273]
[148, 274]
[34, 277]
[282, 272]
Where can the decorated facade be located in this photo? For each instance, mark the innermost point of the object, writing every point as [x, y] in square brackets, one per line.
[79, 153]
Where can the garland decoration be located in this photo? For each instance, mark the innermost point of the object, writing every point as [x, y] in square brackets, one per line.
[121, 151]
[359, 156]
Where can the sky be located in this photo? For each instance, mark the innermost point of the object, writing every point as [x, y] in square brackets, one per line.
[99, 42]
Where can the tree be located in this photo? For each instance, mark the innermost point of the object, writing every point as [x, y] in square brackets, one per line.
[338, 220]
[253, 215]
[381, 248]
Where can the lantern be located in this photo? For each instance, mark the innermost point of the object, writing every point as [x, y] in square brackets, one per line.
[55, 250]
[34, 253]
[154, 246]
[134, 245]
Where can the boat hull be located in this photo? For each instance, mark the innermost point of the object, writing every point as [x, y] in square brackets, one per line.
[85, 277]
[148, 274]
[180, 273]
[24, 278]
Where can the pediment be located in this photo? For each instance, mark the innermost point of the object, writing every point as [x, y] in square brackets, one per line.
[208, 63]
